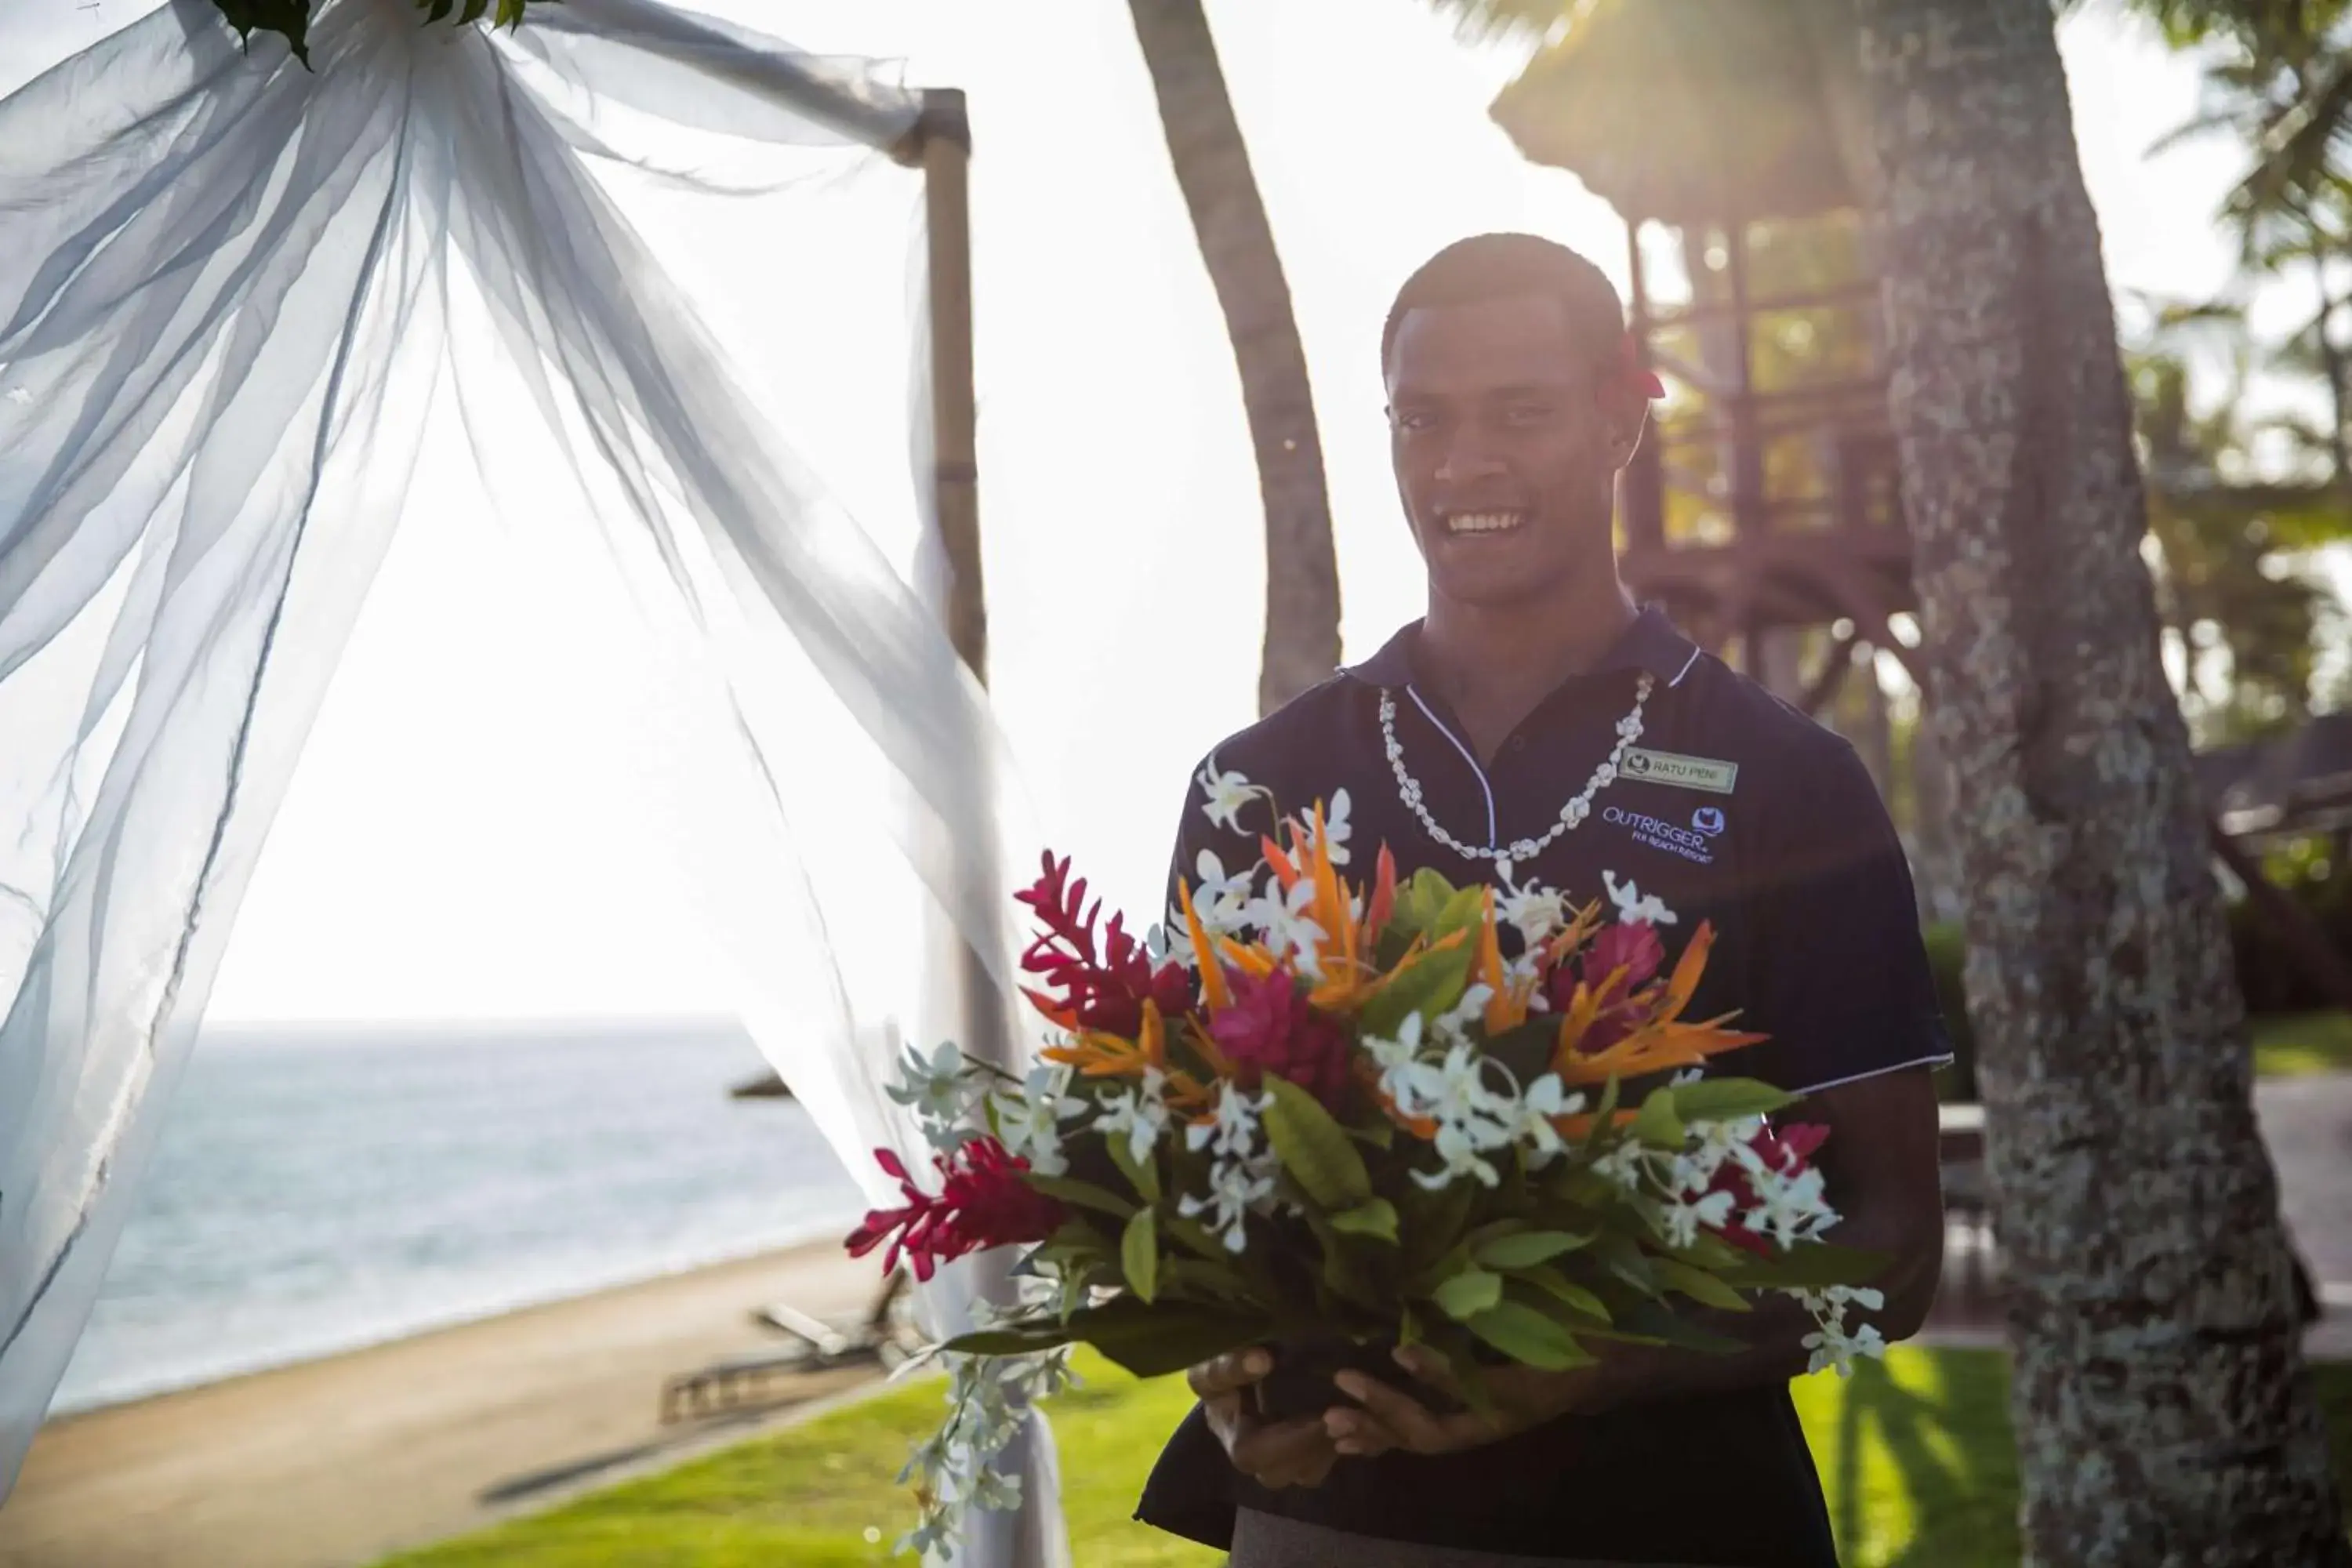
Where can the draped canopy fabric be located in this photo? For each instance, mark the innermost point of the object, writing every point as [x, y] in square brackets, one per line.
[233, 296]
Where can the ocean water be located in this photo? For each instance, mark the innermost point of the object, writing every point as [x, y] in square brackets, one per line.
[319, 1189]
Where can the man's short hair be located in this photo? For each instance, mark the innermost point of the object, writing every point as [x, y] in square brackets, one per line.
[1510, 266]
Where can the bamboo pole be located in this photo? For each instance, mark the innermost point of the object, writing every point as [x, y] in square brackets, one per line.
[943, 149]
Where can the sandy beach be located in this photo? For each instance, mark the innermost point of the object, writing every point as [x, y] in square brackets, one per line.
[342, 1461]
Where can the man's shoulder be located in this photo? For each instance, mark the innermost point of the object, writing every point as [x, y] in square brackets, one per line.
[1302, 728]
[1768, 726]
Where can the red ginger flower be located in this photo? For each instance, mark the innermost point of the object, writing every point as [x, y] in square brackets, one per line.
[1787, 1150]
[1633, 946]
[1105, 992]
[1271, 1029]
[982, 1203]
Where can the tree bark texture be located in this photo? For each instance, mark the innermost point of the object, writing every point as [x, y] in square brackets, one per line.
[2162, 1408]
[1212, 169]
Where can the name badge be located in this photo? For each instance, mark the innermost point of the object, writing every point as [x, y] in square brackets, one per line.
[1681, 772]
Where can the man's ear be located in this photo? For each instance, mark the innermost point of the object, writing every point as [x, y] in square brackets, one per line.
[1628, 421]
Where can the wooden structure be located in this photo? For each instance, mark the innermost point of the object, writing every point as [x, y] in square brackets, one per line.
[1767, 498]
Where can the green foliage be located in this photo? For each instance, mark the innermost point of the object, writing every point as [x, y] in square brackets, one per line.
[290, 19]
[1318, 1154]
[1468, 1293]
[1377, 1219]
[1527, 1249]
[2240, 601]
[1529, 1335]
[1139, 1255]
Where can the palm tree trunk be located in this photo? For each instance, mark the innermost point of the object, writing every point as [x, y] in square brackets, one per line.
[2162, 1408]
[1212, 168]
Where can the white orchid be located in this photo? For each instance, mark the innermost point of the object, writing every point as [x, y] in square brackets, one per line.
[1219, 898]
[1626, 1165]
[1536, 912]
[1546, 1098]
[1711, 1143]
[941, 1090]
[1138, 1114]
[1334, 828]
[1633, 907]
[1830, 1343]
[1231, 1132]
[1473, 1119]
[1790, 1209]
[1029, 1124]
[1235, 1188]
[997, 1491]
[1287, 926]
[1461, 1146]
[1682, 1218]
[1227, 794]
[1396, 1058]
[1455, 1025]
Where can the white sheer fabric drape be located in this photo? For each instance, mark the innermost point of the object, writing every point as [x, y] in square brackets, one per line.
[229, 293]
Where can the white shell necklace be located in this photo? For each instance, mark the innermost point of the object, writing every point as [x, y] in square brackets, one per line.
[1572, 816]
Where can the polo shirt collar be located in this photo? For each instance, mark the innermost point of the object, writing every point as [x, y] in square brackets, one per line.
[1650, 644]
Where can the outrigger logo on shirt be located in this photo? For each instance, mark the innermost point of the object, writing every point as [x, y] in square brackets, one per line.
[1681, 772]
[1695, 843]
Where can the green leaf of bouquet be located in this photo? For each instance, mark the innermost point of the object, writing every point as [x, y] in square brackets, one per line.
[1728, 1100]
[1142, 1175]
[1377, 1219]
[1150, 1340]
[1624, 1260]
[1421, 902]
[1465, 911]
[1699, 1285]
[1138, 1254]
[1668, 1327]
[1467, 1293]
[1566, 1291]
[1610, 1093]
[1810, 1265]
[1527, 1249]
[1659, 1123]
[290, 19]
[1527, 1337]
[1313, 1149]
[1712, 1253]
[1429, 983]
[1016, 1341]
[1080, 1194]
[1196, 1277]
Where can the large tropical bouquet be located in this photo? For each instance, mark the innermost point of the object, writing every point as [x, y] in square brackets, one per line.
[1335, 1118]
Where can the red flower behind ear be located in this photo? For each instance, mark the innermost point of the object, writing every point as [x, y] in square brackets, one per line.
[1631, 373]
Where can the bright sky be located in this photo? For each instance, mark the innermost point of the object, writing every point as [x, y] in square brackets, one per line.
[481, 824]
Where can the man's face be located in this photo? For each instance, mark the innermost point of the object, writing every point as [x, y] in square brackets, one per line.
[1503, 452]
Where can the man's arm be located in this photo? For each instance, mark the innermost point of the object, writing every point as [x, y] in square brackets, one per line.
[1880, 1162]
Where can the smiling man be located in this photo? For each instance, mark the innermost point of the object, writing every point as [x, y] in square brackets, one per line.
[1479, 737]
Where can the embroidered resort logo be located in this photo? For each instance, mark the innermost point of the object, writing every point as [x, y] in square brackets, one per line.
[1659, 834]
[1707, 819]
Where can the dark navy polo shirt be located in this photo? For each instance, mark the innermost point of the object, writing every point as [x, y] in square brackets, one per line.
[1741, 811]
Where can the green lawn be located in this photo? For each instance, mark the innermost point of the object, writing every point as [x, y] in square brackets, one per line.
[1916, 1455]
[2304, 1042]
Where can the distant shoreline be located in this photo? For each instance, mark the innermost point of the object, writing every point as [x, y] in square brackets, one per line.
[784, 1244]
